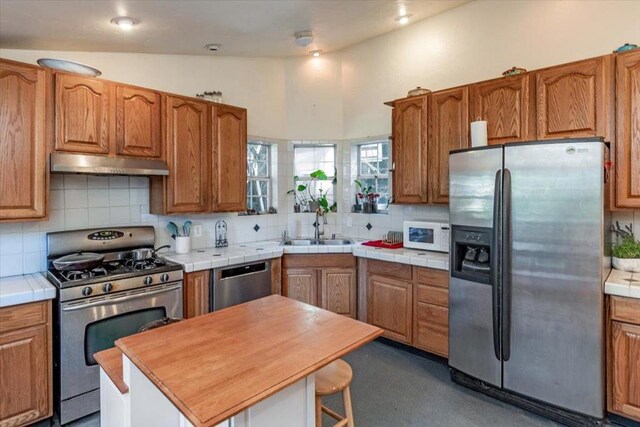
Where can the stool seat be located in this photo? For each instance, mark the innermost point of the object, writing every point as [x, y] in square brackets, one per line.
[334, 377]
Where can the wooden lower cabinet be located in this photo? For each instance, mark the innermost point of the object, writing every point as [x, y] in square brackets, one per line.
[301, 285]
[25, 364]
[410, 303]
[624, 357]
[390, 307]
[326, 281]
[195, 293]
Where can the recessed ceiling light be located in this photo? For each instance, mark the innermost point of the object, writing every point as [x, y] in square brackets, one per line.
[404, 19]
[303, 38]
[213, 47]
[315, 53]
[124, 22]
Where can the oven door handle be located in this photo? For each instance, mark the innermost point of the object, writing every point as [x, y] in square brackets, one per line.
[124, 298]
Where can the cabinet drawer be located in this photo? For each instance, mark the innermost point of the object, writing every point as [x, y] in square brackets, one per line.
[625, 309]
[429, 276]
[432, 338]
[433, 295]
[23, 315]
[432, 313]
[390, 269]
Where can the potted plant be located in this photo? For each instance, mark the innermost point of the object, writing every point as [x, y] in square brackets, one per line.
[305, 196]
[626, 249]
[368, 197]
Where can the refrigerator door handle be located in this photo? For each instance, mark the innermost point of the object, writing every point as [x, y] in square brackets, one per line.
[495, 265]
[506, 267]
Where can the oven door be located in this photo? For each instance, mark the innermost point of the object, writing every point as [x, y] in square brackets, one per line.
[93, 324]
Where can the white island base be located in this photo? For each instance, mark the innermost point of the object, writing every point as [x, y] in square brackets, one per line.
[144, 405]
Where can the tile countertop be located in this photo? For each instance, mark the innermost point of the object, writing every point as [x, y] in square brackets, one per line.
[204, 259]
[623, 284]
[16, 290]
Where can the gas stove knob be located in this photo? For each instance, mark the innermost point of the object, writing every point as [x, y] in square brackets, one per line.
[86, 291]
[107, 287]
[164, 277]
[148, 280]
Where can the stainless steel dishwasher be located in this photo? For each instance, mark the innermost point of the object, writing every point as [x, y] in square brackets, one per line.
[239, 283]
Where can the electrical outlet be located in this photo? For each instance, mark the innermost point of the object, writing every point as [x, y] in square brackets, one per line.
[197, 231]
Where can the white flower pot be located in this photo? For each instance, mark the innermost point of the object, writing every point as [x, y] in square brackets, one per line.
[630, 264]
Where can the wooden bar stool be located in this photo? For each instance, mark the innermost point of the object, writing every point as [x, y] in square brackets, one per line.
[331, 379]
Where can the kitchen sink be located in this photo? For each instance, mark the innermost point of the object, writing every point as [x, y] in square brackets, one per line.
[313, 242]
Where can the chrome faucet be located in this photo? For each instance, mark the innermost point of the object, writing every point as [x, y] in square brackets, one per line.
[319, 214]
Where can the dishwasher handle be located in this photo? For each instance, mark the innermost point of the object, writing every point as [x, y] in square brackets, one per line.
[242, 270]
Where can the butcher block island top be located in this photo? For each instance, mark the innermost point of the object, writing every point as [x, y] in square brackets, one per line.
[214, 366]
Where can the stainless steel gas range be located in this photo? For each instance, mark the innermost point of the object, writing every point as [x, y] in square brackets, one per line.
[110, 283]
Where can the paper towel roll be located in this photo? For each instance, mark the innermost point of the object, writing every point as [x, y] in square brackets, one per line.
[479, 133]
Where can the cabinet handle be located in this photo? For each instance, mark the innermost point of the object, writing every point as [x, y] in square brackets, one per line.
[393, 167]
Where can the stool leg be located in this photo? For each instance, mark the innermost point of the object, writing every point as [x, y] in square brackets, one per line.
[318, 411]
[346, 395]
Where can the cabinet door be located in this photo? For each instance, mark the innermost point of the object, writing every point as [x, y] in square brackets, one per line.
[628, 130]
[188, 153]
[301, 285]
[625, 388]
[409, 149]
[449, 130]
[390, 307]
[195, 293]
[575, 100]
[138, 131]
[24, 376]
[338, 290]
[229, 159]
[83, 116]
[23, 146]
[507, 106]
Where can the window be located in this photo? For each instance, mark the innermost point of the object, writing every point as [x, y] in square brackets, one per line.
[258, 176]
[308, 159]
[373, 169]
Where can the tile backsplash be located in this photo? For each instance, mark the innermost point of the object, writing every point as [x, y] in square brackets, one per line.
[85, 201]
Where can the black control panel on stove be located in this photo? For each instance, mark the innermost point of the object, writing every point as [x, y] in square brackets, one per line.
[105, 235]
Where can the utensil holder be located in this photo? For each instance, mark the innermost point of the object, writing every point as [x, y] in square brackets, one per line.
[183, 244]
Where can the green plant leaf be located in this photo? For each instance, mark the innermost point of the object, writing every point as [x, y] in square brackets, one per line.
[302, 187]
[291, 191]
[358, 183]
[319, 174]
[324, 204]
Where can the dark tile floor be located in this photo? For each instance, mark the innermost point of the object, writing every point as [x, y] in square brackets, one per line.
[395, 388]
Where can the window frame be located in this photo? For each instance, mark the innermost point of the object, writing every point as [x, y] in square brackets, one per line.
[268, 178]
[360, 176]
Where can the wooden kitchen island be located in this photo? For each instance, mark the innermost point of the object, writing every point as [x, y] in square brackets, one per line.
[249, 365]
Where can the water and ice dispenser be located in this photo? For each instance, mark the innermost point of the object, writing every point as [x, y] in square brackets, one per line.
[471, 249]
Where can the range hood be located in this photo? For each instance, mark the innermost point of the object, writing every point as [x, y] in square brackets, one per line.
[101, 165]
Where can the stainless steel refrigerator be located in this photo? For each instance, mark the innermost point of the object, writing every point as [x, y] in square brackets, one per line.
[529, 239]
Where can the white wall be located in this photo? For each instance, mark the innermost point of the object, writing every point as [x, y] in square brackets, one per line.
[475, 42]
[254, 83]
[313, 98]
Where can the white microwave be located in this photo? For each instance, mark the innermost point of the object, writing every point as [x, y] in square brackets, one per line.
[426, 235]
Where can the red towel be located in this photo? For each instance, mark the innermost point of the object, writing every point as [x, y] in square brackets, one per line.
[383, 244]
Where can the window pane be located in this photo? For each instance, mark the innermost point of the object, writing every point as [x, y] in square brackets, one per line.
[373, 169]
[310, 159]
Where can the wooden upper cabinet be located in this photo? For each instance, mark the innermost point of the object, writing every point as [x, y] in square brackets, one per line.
[188, 152]
[448, 130]
[138, 119]
[575, 100]
[628, 130]
[23, 145]
[83, 114]
[229, 159]
[409, 130]
[507, 105]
